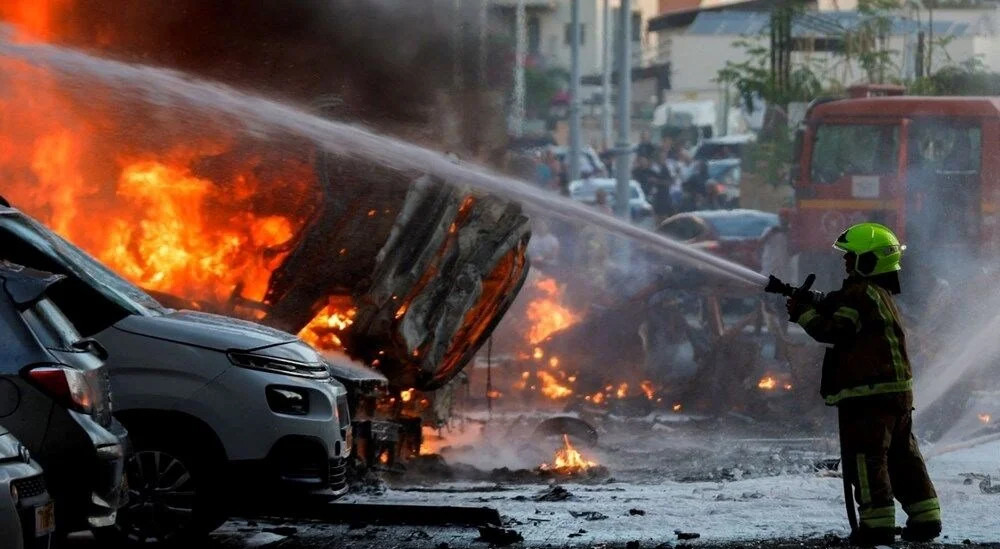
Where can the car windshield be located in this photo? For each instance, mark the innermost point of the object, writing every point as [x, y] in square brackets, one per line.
[740, 225]
[82, 265]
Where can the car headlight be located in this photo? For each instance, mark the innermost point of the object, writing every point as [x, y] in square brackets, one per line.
[279, 365]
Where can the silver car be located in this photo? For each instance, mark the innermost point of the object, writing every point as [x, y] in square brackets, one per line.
[221, 411]
[27, 515]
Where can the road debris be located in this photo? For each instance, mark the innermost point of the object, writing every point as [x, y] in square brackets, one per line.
[686, 535]
[498, 536]
[588, 515]
[555, 493]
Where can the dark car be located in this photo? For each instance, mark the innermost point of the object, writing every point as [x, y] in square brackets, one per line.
[55, 397]
[733, 234]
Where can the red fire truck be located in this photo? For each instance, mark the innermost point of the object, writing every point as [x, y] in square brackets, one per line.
[928, 167]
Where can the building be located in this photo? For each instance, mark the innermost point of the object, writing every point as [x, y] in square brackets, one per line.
[698, 42]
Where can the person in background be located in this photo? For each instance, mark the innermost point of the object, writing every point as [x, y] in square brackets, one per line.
[601, 202]
[543, 170]
[644, 174]
[543, 248]
[646, 149]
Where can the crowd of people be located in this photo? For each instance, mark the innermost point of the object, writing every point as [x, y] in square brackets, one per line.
[671, 179]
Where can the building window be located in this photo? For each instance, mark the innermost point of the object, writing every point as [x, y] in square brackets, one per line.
[534, 36]
[568, 38]
[636, 26]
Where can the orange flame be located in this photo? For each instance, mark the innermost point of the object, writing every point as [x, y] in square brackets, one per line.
[172, 211]
[546, 314]
[985, 418]
[767, 383]
[648, 389]
[325, 329]
[568, 460]
[551, 387]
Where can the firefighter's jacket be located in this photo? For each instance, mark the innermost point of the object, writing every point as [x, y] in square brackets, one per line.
[868, 356]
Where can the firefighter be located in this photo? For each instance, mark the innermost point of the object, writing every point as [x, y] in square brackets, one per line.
[867, 375]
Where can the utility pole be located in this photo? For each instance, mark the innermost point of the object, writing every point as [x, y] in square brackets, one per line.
[606, 63]
[520, 53]
[622, 162]
[457, 37]
[574, 91]
[484, 6]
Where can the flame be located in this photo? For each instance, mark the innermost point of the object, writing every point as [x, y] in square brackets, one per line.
[538, 353]
[191, 212]
[648, 389]
[406, 395]
[551, 387]
[677, 407]
[383, 457]
[493, 394]
[325, 329]
[568, 460]
[546, 314]
[985, 418]
[36, 18]
[767, 383]
[622, 390]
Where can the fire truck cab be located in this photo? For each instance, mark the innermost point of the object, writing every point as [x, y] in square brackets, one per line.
[928, 167]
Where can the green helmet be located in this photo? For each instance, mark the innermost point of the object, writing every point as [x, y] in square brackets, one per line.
[877, 249]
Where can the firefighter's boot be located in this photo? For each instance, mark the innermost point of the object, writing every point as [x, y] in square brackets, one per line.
[869, 537]
[921, 532]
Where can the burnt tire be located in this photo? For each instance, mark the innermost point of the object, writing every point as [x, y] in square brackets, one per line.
[175, 496]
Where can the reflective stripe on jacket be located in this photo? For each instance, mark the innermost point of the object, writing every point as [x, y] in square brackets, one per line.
[868, 356]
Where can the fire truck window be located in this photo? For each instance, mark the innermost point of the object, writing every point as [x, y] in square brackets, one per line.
[945, 148]
[841, 150]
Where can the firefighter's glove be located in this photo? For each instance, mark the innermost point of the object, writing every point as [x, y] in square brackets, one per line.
[795, 308]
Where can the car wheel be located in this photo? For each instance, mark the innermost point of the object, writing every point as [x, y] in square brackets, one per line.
[173, 497]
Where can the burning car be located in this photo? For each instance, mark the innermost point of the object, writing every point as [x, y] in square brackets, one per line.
[203, 395]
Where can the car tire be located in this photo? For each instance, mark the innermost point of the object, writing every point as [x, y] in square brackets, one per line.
[175, 496]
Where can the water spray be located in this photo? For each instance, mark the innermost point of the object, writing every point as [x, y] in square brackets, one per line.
[260, 116]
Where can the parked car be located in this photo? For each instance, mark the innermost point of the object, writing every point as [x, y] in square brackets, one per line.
[733, 234]
[220, 410]
[54, 397]
[27, 515]
[585, 190]
[590, 161]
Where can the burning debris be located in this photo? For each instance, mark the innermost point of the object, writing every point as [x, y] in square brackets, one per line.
[570, 462]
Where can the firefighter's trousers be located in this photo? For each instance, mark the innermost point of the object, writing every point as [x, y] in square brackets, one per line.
[882, 461]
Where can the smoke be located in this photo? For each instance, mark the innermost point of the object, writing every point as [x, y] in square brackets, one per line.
[385, 59]
[949, 280]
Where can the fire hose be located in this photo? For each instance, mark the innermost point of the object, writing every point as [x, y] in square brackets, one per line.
[803, 292]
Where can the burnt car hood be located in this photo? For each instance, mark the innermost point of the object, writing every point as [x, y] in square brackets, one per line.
[220, 333]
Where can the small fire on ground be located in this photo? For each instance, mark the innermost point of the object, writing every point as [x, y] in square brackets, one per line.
[770, 383]
[568, 460]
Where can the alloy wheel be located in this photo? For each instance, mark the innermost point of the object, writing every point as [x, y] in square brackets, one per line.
[161, 497]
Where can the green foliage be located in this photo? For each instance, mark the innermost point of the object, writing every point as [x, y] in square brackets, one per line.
[541, 85]
[967, 78]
